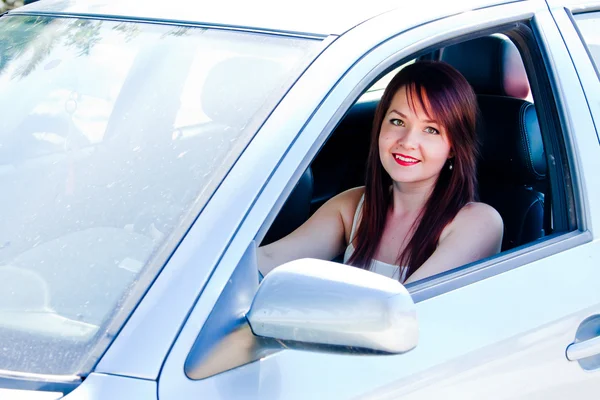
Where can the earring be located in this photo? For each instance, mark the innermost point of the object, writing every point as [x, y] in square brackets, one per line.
[450, 165]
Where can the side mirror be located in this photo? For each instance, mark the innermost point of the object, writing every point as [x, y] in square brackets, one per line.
[322, 302]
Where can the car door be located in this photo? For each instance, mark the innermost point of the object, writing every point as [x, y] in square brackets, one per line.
[497, 329]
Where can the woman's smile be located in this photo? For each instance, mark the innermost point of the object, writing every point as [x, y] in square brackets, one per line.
[404, 160]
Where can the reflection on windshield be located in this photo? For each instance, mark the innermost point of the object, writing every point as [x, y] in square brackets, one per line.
[115, 131]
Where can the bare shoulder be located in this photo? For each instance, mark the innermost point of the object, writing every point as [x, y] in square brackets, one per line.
[478, 217]
[347, 199]
[346, 203]
[350, 197]
[475, 233]
[481, 213]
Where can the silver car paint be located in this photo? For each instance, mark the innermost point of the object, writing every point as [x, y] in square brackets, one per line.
[101, 387]
[18, 394]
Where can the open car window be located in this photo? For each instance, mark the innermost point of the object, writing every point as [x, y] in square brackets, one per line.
[516, 183]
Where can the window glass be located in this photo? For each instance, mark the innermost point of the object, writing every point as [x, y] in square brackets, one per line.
[588, 26]
[110, 133]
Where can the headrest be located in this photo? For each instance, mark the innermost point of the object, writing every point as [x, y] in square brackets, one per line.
[511, 140]
[491, 64]
[236, 88]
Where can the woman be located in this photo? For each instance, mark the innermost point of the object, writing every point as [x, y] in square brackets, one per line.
[416, 216]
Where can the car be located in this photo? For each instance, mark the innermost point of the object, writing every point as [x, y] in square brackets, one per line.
[146, 152]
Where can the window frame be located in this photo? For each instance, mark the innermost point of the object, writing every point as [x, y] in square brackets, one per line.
[570, 229]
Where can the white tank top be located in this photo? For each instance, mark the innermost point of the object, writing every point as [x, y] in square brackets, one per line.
[379, 267]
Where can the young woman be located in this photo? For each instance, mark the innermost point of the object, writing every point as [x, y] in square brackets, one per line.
[416, 216]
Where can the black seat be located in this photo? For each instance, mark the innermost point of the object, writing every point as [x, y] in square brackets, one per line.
[294, 212]
[512, 166]
[341, 163]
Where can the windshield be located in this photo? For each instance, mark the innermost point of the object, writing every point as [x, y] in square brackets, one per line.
[111, 134]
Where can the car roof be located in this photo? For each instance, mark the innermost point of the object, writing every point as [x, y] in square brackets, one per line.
[316, 17]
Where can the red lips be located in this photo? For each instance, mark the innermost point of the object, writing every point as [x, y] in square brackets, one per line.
[404, 160]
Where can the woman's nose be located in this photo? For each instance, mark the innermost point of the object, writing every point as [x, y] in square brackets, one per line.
[410, 140]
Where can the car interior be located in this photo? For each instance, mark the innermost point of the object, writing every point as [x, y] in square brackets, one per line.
[512, 163]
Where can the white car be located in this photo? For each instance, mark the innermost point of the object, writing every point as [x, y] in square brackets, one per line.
[146, 150]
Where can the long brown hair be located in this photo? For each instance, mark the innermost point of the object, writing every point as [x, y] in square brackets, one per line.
[444, 92]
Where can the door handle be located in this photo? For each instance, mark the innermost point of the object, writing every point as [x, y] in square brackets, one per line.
[584, 349]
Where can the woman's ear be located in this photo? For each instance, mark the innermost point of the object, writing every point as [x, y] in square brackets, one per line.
[451, 152]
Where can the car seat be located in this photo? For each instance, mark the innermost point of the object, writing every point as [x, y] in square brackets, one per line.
[295, 210]
[512, 165]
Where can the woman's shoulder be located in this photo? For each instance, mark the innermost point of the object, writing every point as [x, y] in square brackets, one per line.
[479, 211]
[476, 217]
[346, 203]
[349, 198]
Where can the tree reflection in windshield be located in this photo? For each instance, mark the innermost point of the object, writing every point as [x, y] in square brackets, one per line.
[44, 33]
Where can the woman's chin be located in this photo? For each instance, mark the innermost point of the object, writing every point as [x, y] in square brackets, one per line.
[414, 179]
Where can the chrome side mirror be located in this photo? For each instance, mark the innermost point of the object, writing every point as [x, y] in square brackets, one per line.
[322, 302]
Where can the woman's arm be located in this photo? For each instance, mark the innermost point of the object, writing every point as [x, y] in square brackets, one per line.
[322, 236]
[475, 233]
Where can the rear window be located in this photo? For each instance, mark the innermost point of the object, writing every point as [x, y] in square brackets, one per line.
[112, 136]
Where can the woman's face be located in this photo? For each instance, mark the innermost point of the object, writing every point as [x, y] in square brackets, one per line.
[412, 147]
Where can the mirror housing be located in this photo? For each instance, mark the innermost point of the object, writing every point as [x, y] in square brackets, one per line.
[326, 303]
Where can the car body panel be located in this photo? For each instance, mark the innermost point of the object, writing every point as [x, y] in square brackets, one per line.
[99, 386]
[333, 17]
[457, 355]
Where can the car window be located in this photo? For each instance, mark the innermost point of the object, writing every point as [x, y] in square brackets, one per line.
[111, 134]
[587, 24]
[530, 215]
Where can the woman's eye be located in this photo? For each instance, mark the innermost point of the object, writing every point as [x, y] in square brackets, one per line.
[431, 130]
[397, 122]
